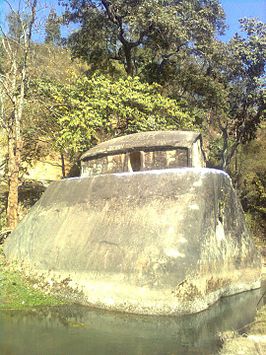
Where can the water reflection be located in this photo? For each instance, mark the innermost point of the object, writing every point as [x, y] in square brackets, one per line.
[79, 330]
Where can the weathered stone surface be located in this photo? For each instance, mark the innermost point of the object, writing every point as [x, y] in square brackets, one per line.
[159, 242]
[136, 161]
[144, 151]
[144, 140]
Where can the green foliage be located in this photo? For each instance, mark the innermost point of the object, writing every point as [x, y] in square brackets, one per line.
[16, 24]
[173, 43]
[97, 107]
[251, 179]
[127, 30]
[244, 77]
[2, 218]
[38, 129]
[52, 29]
[237, 103]
[253, 197]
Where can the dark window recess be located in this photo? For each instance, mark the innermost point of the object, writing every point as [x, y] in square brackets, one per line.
[221, 211]
[135, 161]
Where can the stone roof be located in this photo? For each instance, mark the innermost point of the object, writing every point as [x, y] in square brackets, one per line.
[142, 141]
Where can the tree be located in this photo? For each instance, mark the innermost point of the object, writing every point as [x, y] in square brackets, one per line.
[15, 24]
[251, 182]
[125, 30]
[52, 29]
[95, 108]
[225, 86]
[49, 64]
[241, 77]
[13, 81]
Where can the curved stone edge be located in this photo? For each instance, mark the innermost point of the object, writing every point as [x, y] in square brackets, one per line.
[80, 288]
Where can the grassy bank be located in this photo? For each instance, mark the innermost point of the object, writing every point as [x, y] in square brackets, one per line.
[16, 292]
[251, 341]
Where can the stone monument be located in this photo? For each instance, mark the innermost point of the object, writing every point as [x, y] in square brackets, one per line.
[146, 229]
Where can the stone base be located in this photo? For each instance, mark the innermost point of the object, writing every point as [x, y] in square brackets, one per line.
[160, 242]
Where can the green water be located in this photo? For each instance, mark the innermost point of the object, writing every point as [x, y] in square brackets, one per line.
[78, 330]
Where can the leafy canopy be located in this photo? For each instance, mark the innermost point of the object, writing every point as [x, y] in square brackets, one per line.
[242, 80]
[52, 29]
[124, 28]
[99, 107]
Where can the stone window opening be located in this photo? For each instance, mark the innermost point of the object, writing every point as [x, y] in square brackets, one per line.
[135, 161]
[221, 212]
[144, 151]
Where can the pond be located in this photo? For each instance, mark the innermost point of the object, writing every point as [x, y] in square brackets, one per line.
[80, 330]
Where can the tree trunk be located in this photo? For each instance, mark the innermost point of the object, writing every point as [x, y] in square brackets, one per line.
[224, 150]
[63, 167]
[13, 182]
[129, 64]
[12, 202]
[16, 76]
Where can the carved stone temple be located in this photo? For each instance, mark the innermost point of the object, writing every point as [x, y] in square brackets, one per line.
[146, 229]
[144, 151]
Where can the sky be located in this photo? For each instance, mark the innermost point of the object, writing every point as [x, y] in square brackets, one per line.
[234, 10]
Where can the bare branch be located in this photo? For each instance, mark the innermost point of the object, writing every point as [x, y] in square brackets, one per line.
[13, 84]
[7, 92]
[11, 7]
[5, 43]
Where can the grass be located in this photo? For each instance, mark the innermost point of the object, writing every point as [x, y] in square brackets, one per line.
[17, 293]
[252, 341]
[259, 325]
